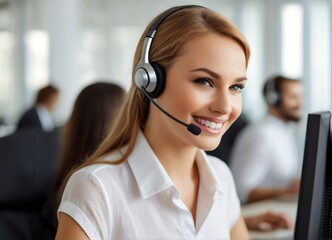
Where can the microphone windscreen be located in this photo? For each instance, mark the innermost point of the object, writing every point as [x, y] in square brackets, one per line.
[194, 129]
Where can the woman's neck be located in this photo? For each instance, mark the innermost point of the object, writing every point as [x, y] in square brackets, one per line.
[178, 159]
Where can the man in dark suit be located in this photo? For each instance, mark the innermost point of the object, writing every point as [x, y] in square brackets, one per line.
[39, 115]
[27, 170]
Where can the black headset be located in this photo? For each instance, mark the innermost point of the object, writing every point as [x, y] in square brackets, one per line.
[150, 75]
[272, 96]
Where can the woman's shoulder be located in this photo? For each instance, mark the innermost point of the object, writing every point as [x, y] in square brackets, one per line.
[104, 166]
[96, 178]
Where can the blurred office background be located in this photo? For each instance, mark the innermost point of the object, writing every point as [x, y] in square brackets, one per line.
[72, 43]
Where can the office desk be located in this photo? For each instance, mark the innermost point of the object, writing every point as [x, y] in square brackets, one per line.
[285, 204]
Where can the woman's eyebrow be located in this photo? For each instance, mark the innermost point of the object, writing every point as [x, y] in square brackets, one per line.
[241, 79]
[216, 75]
[208, 71]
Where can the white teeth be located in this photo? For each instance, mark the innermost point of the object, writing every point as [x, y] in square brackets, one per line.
[209, 124]
[213, 125]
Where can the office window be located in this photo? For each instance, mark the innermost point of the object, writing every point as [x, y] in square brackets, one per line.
[123, 41]
[291, 40]
[320, 57]
[319, 87]
[253, 28]
[37, 43]
[6, 71]
[93, 56]
[95, 23]
[35, 48]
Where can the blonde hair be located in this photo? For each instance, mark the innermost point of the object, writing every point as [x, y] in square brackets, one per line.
[177, 29]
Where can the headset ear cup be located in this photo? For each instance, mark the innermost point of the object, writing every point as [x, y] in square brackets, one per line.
[161, 80]
[278, 100]
[272, 98]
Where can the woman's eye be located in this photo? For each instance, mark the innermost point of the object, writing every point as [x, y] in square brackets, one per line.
[237, 87]
[204, 82]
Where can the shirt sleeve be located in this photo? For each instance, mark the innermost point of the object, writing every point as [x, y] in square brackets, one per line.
[85, 200]
[249, 162]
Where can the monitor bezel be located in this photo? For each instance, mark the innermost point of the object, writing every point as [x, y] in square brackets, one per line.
[312, 187]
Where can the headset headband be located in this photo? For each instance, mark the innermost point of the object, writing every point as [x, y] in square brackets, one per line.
[150, 75]
[152, 30]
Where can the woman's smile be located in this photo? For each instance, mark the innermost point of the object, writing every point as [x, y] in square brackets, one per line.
[211, 125]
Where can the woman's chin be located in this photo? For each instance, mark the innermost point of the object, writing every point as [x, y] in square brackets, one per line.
[210, 145]
[210, 148]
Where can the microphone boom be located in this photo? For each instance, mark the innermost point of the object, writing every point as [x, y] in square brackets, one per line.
[190, 127]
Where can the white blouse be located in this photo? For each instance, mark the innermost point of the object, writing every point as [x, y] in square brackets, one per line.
[138, 200]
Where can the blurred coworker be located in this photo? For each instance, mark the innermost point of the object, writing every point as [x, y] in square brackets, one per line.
[39, 115]
[92, 116]
[266, 221]
[94, 110]
[264, 160]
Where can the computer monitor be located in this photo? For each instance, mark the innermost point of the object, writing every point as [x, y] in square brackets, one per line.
[314, 212]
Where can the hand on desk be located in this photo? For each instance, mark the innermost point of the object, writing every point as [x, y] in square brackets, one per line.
[262, 193]
[294, 187]
[268, 221]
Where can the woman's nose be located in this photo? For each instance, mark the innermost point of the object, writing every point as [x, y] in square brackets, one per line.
[221, 103]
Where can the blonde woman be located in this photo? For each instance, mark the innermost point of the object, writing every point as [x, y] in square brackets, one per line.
[150, 178]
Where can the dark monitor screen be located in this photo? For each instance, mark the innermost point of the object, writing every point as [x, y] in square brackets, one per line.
[314, 213]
